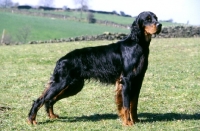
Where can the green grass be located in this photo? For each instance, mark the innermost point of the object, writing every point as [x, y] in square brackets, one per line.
[98, 16]
[104, 17]
[47, 28]
[43, 28]
[169, 99]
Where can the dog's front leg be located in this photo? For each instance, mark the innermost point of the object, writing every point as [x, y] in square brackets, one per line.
[133, 106]
[136, 86]
[126, 102]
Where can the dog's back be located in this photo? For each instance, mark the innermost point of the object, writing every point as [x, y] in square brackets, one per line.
[92, 62]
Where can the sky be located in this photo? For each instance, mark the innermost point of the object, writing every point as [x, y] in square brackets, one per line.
[181, 11]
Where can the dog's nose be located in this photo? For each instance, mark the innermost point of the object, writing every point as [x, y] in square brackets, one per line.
[158, 25]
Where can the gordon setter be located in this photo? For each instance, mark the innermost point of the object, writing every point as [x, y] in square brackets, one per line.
[123, 63]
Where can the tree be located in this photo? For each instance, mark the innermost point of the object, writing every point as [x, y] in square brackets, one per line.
[114, 12]
[47, 3]
[6, 3]
[122, 13]
[90, 18]
[65, 8]
[23, 33]
[6, 38]
[83, 5]
[15, 4]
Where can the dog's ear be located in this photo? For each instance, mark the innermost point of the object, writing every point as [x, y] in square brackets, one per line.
[134, 24]
[136, 28]
[135, 33]
[137, 21]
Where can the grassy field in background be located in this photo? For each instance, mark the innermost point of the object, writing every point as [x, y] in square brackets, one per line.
[42, 28]
[104, 17]
[169, 99]
[47, 28]
[98, 16]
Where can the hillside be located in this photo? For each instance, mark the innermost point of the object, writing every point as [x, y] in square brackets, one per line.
[98, 16]
[47, 28]
[39, 26]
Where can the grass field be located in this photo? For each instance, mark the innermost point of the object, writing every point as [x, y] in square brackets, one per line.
[169, 99]
[104, 17]
[47, 28]
[98, 16]
[42, 28]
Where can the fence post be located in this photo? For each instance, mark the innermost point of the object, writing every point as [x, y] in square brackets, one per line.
[2, 38]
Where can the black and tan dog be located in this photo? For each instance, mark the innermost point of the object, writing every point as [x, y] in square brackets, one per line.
[123, 63]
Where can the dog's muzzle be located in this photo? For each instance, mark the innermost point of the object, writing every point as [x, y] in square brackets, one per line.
[158, 28]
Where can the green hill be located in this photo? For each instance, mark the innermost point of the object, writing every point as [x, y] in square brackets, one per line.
[99, 16]
[47, 28]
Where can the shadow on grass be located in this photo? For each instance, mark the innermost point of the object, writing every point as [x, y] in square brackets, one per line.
[95, 117]
[152, 117]
[145, 117]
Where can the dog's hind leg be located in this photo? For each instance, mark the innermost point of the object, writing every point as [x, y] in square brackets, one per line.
[54, 90]
[48, 107]
[73, 89]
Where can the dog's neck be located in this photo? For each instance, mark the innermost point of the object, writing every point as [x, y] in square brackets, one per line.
[145, 40]
[137, 35]
[147, 36]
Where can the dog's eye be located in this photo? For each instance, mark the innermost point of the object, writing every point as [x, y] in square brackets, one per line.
[149, 19]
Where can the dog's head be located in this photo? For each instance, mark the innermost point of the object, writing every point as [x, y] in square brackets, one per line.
[148, 24]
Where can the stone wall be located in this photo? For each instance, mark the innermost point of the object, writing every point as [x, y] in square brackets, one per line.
[179, 32]
[104, 36]
[167, 32]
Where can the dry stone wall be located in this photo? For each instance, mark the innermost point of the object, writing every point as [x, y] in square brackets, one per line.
[180, 32]
[167, 32]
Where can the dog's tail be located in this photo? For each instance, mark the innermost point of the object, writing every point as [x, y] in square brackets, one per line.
[58, 71]
[65, 70]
